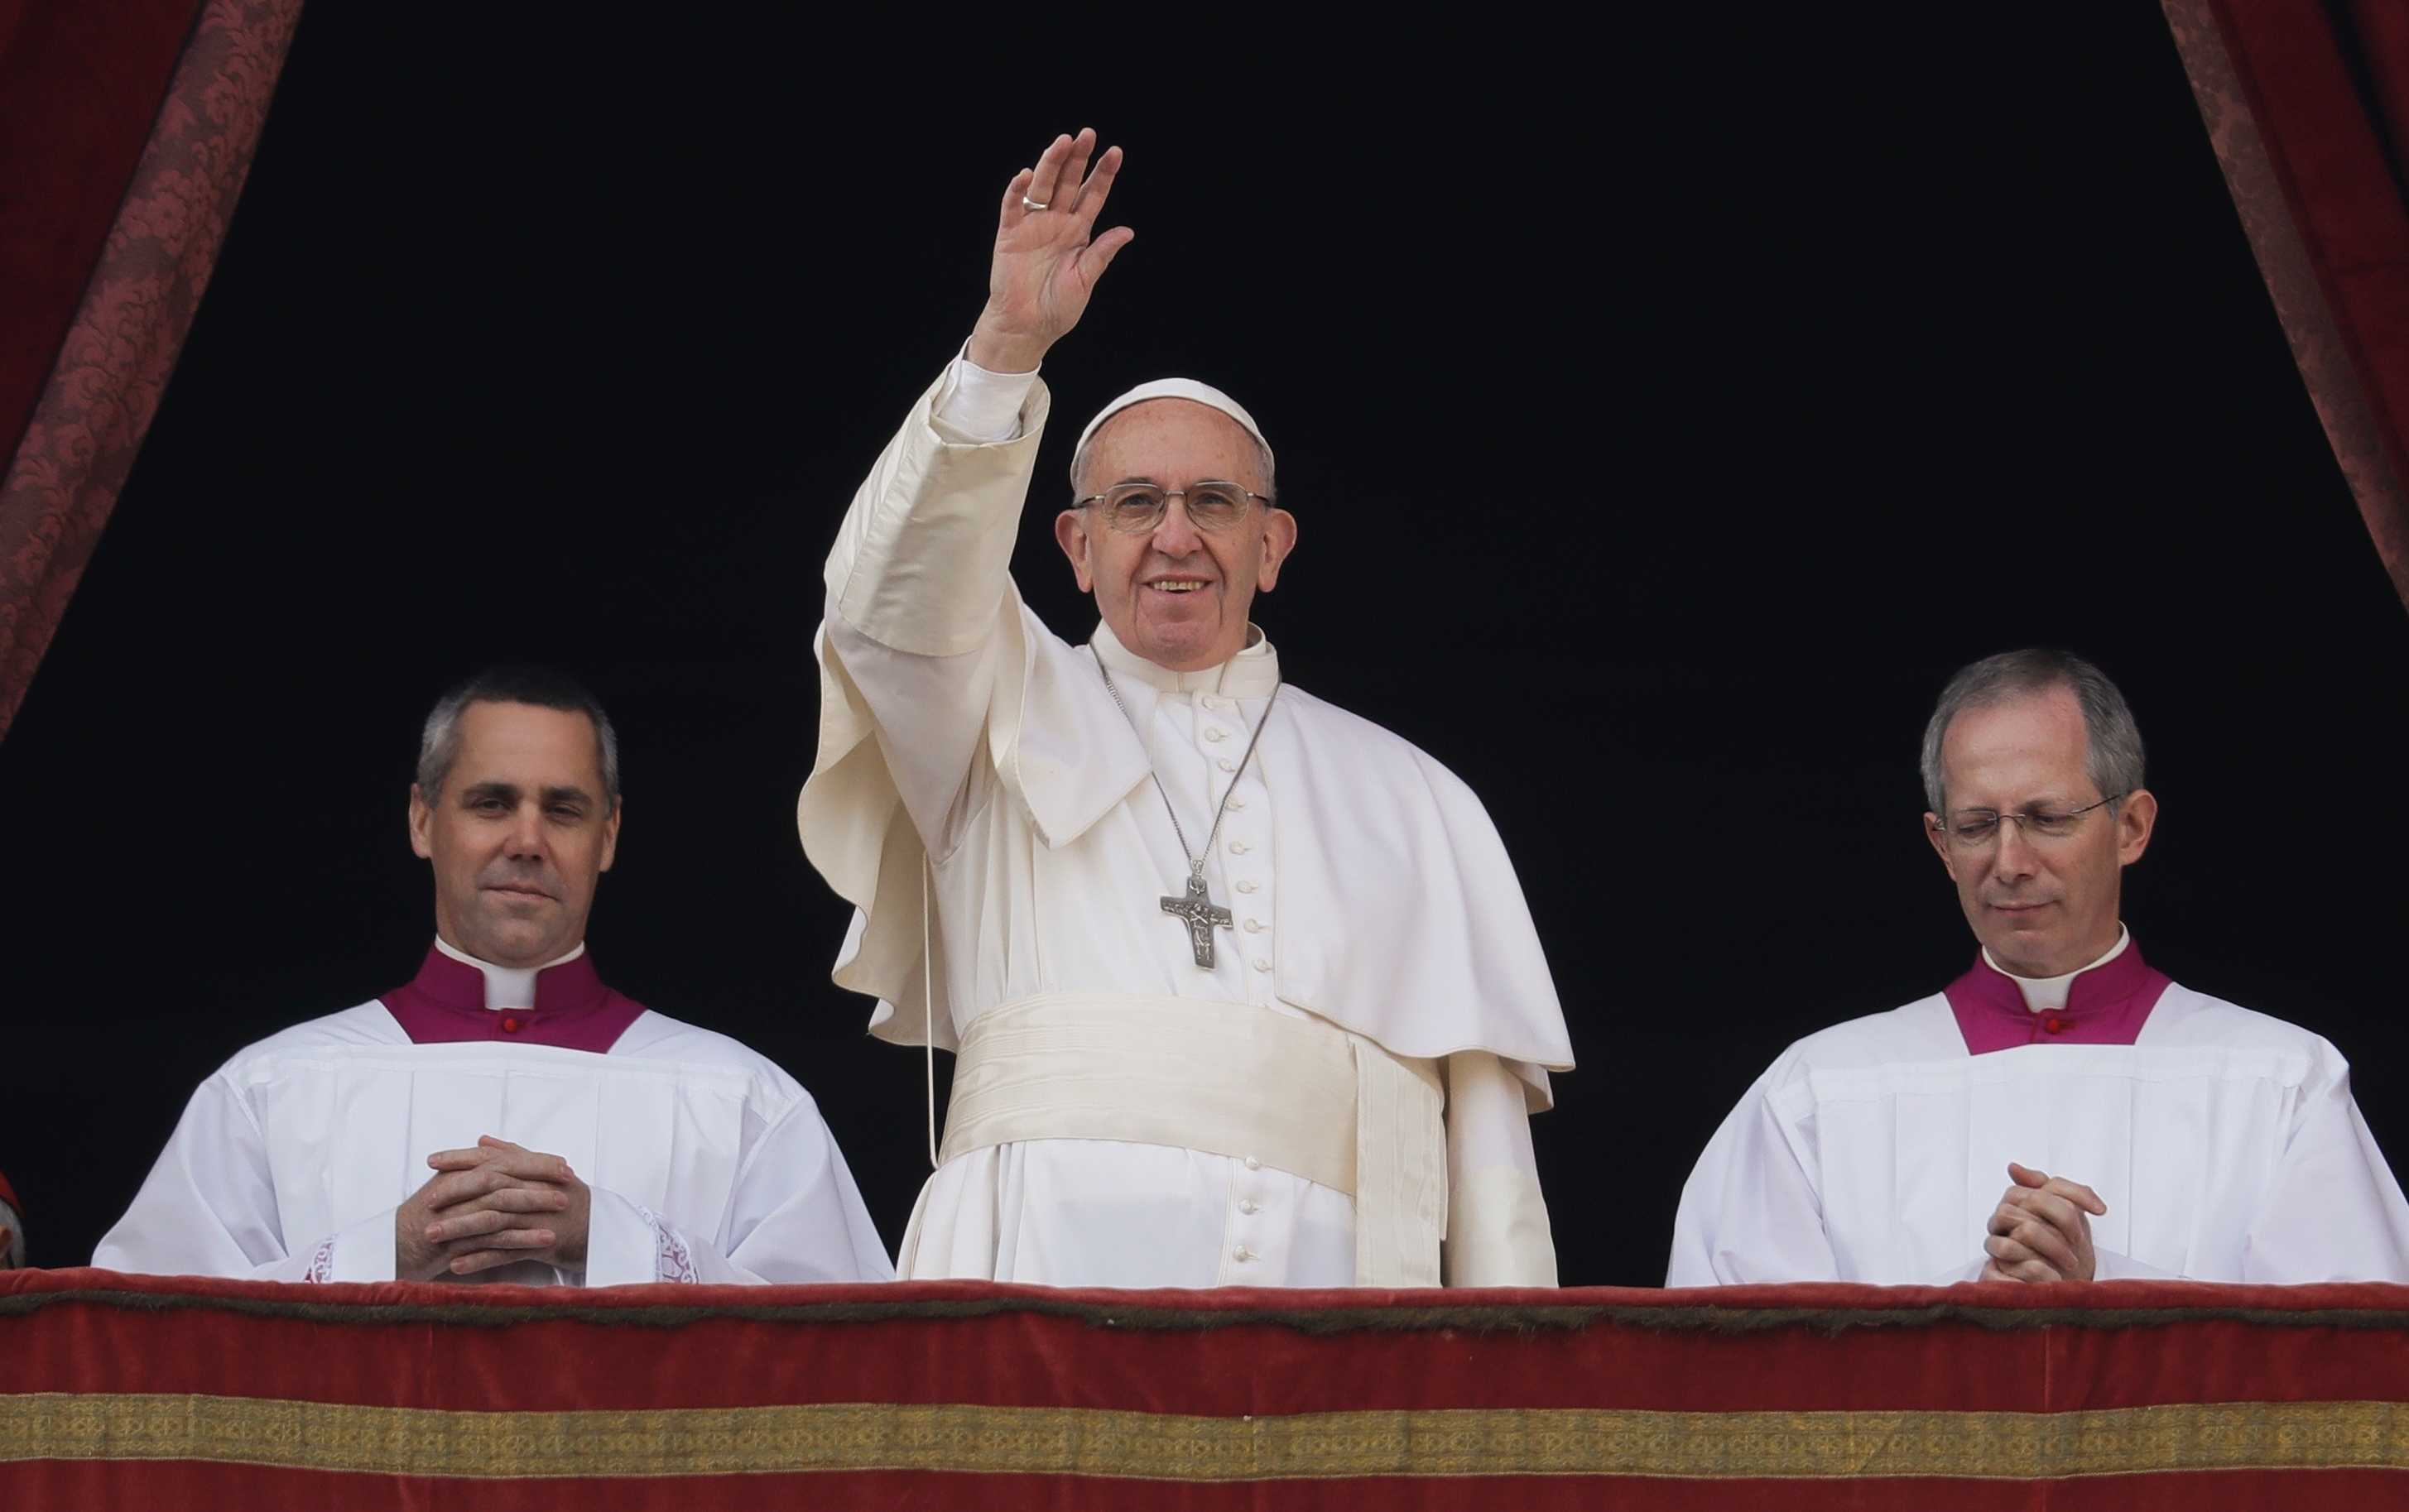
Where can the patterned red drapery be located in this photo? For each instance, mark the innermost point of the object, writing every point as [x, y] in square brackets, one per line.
[128, 1390]
[126, 135]
[2308, 109]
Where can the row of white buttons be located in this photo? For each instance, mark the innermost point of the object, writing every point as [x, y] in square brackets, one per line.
[1217, 734]
[1248, 1206]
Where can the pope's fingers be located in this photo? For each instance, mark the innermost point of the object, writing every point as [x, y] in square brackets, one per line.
[1008, 214]
[1101, 252]
[1045, 179]
[459, 1159]
[1099, 187]
[1075, 170]
[2025, 1175]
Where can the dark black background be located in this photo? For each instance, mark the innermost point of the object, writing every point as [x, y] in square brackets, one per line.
[1668, 409]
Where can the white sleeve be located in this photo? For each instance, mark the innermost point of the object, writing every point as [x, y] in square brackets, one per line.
[982, 405]
[1497, 1233]
[794, 1218]
[1750, 1211]
[918, 588]
[2335, 1211]
[209, 1206]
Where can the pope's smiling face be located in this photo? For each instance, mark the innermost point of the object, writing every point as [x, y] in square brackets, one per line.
[2043, 906]
[1178, 596]
[518, 835]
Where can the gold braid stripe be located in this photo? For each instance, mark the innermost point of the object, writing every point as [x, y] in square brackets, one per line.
[1087, 1441]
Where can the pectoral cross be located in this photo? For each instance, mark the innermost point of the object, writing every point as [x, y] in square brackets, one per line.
[1201, 915]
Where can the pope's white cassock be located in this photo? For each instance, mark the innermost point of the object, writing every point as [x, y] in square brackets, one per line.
[706, 1161]
[1122, 1116]
[2225, 1144]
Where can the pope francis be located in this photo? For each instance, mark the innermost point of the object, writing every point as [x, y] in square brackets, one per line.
[1243, 987]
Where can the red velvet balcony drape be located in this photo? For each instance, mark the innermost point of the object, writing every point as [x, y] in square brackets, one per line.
[126, 130]
[2307, 107]
[174, 1391]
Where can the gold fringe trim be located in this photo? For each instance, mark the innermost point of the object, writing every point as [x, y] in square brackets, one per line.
[1095, 1442]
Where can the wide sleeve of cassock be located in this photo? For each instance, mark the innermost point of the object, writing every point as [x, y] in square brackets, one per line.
[209, 1206]
[1497, 1231]
[794, 1218]
[1749, 1211]
[2335, 1211]
[923, 649]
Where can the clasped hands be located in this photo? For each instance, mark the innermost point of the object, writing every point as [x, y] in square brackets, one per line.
[495, 1204]
[2042, 1229]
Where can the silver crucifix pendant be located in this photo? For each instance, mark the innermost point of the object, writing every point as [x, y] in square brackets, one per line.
[1203, 917]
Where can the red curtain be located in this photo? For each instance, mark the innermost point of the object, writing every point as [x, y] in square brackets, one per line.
[175, 1392]
[2306, 106]
[126, 130]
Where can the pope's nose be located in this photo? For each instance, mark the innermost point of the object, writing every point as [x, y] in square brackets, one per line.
[1175, 536]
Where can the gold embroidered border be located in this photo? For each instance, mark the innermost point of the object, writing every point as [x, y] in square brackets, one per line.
[1086, 1441]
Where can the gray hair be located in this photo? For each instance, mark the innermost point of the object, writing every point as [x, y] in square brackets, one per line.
[1263, 457]
[15, 1258]
[439, 742]
[2112, 755]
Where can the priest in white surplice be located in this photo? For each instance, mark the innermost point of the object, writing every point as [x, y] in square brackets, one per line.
[504, 1117]
[2061, 1111]
[1243, 987]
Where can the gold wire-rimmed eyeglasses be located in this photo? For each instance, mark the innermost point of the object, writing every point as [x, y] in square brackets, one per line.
[1973, 829]
[1137, 508]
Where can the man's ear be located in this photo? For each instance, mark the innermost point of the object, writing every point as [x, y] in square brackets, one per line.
[2137, 819]
[1070, 534]
[422, 819]
[1279, 539]
[610, 833]
[1933, 832]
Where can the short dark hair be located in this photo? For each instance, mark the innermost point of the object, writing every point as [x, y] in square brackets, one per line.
[2112, 753]
[546, 687]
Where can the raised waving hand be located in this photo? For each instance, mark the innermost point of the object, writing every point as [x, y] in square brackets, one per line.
[1047, 256]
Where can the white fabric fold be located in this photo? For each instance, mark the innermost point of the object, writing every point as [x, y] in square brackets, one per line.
[1230, 1080]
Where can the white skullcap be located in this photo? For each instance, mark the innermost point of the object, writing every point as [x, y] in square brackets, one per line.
[1176, 388]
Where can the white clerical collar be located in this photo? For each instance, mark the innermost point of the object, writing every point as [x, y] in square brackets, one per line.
[2042, 993]
[1252, 673]
[506, 986]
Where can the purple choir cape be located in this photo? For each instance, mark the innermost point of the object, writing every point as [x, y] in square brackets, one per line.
[705, 1162]
[2226, 1144]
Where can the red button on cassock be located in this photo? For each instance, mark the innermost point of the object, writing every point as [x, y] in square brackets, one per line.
[511, 1026]
[2053, 1024]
